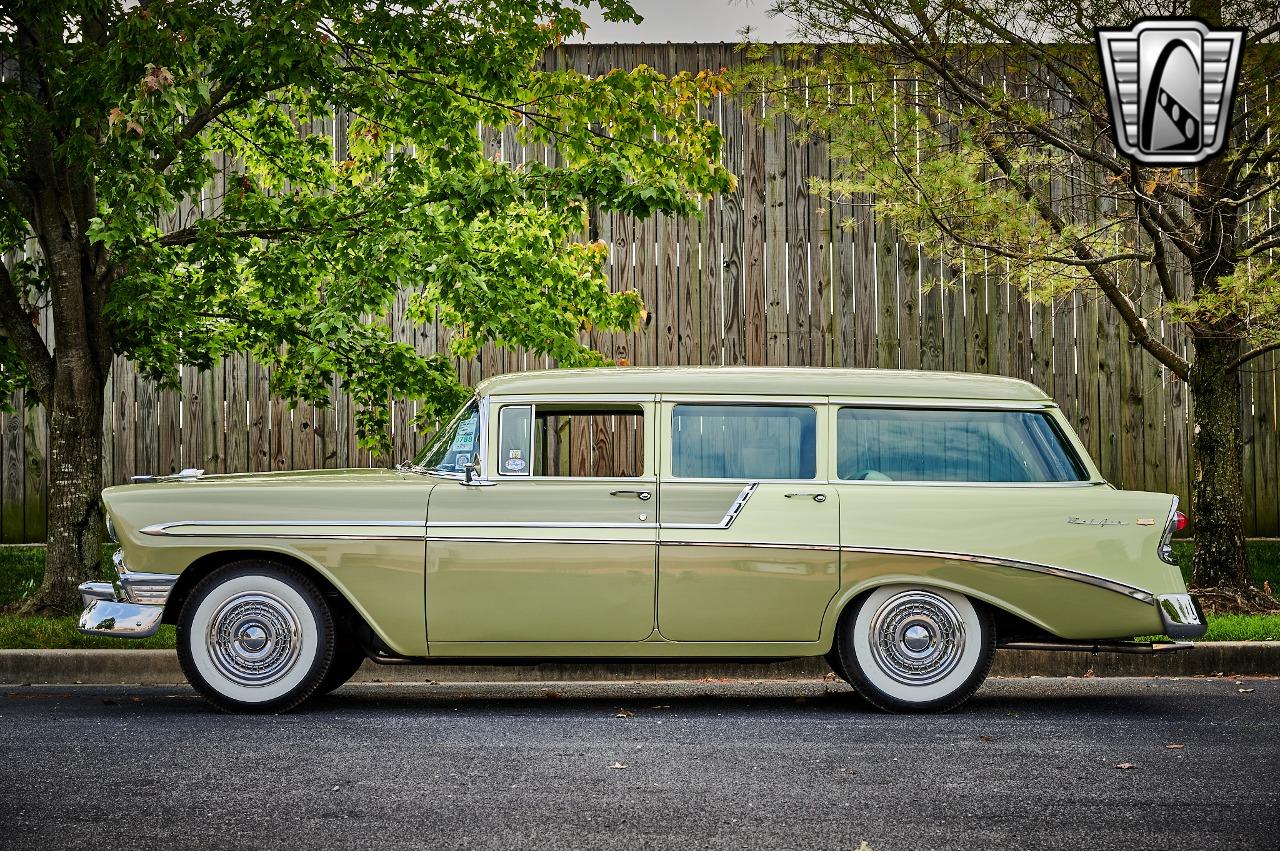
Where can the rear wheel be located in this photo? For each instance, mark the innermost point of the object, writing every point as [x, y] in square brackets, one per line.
[912, 649]
[255, 636]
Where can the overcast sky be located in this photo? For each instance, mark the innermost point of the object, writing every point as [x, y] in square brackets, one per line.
[691, 21]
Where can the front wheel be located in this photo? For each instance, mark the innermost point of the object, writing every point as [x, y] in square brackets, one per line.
[255, 636]
[911, 649]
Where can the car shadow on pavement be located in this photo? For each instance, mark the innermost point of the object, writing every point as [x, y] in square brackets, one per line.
[1044, 698]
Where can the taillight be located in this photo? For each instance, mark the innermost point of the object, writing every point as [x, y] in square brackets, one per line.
[1176, 523]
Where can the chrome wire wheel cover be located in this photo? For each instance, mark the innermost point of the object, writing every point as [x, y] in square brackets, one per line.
[254, 639]
[916, 637]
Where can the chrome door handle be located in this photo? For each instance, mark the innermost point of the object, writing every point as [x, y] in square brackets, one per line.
[817, 496]
[641, 495]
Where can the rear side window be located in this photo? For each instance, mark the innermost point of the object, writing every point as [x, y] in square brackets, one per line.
[917, 445]
[743, 442]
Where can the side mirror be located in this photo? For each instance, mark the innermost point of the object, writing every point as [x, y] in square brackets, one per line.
[471, 476]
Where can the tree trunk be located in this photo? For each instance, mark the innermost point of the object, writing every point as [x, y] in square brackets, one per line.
[1217, 496]
[75, 483]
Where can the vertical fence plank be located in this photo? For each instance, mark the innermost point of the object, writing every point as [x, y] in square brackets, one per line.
[775, 250]
[755, 234]
[169, 422]
[35, 451]
[1266, 455]
[12, 515]
[125, 422]
[798, 247]
[236, 440]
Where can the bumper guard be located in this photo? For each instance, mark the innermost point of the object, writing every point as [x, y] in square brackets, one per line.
[1182, 616]
[131, 607]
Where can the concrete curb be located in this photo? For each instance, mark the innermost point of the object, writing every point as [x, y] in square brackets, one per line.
[160, 667]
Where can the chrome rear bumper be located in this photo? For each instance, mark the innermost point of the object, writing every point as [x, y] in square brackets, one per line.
[132, 607]
[1182, 616]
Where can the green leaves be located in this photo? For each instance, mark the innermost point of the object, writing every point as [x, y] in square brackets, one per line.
[268, 178]
[983, 131]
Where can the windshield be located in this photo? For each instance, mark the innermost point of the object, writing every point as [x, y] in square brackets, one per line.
[455, 445]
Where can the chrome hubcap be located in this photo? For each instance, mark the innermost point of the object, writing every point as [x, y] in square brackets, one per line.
[254, 639]
[917, 637]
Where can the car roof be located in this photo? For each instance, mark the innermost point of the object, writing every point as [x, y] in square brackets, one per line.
[763, 381]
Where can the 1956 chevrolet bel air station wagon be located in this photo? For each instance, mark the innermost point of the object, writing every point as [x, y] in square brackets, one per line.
[902, 524]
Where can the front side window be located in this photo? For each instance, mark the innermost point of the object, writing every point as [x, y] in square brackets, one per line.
[743, 442]
[919, 445]
[564, 440]
[455, 445]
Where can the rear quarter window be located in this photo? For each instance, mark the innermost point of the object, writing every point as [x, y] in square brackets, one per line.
[932, 445]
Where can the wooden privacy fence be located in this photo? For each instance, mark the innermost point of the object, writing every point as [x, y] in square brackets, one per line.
[768, 275]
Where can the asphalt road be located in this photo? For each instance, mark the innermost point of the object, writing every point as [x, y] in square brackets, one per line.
[1027, 764]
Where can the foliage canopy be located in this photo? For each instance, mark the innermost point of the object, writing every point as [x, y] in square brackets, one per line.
[243, 175]
[984, 126]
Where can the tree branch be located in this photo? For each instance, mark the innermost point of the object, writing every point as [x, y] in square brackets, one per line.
[1177, 364]
[1253, 353]
[26, 339]
[1159, 258]
[201, 119]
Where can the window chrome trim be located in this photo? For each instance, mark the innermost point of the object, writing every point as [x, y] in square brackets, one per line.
[935, 404]
[1083, 483]
[531, 402]
[1131, 591]
[817, 404]
[1066, 443]
[498, 461]
[597, 399]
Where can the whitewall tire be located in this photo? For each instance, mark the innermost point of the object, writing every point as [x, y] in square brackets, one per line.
[915, 649]
[255, 636]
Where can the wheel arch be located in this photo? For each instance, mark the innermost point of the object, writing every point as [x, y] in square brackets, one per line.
[1008, 619]
[346, 611]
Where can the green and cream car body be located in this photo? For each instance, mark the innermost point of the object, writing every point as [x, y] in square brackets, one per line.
[902, 524]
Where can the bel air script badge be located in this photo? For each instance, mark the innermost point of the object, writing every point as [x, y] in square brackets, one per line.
[1094, 521]
[1169, 84]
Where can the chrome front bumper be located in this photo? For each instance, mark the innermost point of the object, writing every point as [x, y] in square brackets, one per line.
[131, 607]
[1182, 616]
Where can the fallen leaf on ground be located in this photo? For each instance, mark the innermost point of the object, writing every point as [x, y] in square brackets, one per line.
[830, 677]
[618, 765]
[985, 739]
[623, 713]
[1125, 765]
[1174, 747]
